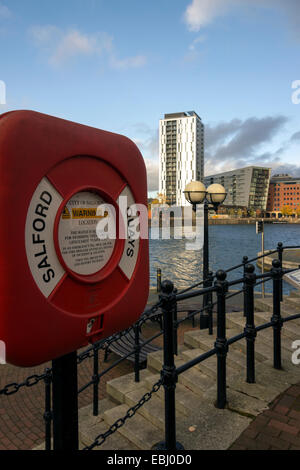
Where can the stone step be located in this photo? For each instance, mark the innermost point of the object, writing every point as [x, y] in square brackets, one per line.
[155, 361]
[294, 293]
[213, 428]
[86, 412]
[186, 400]
[91, 426]
[235, 357]
[263, 335]
[153, 410]
[293, 302]
[290, 329]
[198, 383]
[196, 339]
[136, 429]
[114, 442]
[118, 387]
[209, 365]
[266, 305]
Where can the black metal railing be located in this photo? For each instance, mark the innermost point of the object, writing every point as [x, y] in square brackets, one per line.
[167, 307]
[222, 344]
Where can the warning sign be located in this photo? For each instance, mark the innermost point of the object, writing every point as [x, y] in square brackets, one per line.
[66, 214]
[81, 249]
[89, 213]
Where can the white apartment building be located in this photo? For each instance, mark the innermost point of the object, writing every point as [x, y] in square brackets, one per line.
[181, 154]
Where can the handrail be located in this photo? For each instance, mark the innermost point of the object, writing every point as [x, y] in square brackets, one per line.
[206, 290]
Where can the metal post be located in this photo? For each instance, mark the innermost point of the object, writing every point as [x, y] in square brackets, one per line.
[65, 402]
[221, 341]
[210, 280]
[168, 373]
[175, 327]
[245, 261]
[137, 352]
[276, 272]
[280, 256]
[263, 259]
[204, 316]
[158, 280]
[96, 381]
[48, 412]
[250, 331]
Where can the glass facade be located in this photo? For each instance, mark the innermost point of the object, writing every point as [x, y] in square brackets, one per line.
[246, 187]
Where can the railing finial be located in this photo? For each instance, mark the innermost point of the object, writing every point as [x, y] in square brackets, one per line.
[276, 263]
[167, 287]
[249, 268]
[221, 275]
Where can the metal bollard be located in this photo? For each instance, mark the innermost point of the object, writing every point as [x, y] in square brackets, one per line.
[221, 341]
[210, 280]
[277, 273]
[65, 402]
[175, 327]
[245, 261]
[280, 257]
[168, 373]
[250, 279]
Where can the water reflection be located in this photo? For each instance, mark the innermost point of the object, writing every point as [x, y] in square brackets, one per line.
[227, 246]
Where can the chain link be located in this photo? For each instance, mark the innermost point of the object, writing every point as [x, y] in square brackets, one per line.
[12, 388]
[104, 344]
[101, 438]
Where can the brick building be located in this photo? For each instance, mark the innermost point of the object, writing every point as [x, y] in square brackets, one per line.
[284, 190]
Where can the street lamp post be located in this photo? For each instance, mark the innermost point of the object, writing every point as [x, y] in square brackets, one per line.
[196, 193]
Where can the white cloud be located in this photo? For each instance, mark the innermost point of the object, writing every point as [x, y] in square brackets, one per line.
[196, 41]
[129, 62]
[42, 35]
[74, 43]
[199, 13]
[4, 11]
[61, 46]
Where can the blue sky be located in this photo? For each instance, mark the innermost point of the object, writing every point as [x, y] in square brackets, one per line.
[120, 65]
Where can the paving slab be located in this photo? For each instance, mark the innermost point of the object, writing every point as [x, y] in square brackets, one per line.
[214, 429]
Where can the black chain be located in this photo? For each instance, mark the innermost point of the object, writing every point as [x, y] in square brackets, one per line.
[12, 388]
[111, 339]
[101, 438]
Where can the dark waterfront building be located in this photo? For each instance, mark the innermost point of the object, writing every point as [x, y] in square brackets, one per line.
[246, 187]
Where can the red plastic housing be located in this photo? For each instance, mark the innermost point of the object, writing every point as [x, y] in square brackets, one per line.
[53, 297]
